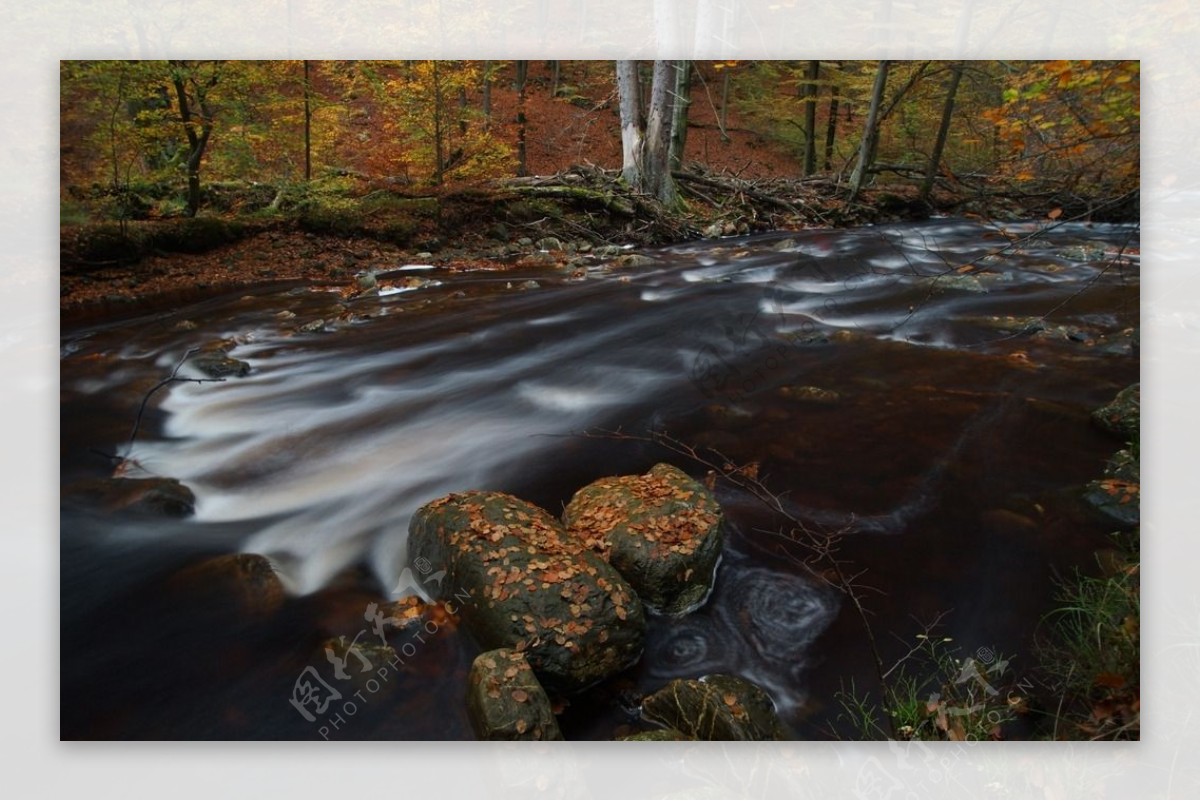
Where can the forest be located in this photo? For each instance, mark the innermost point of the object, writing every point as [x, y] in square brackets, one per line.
[686, 400]
[354, 147]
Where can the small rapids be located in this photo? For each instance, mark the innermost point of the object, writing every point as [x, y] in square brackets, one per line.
[956, 361]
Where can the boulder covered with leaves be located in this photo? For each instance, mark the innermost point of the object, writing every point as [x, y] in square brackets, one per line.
[661, 531]
[1122, 415]
[717, 707]
[505, 700]
[531, 587]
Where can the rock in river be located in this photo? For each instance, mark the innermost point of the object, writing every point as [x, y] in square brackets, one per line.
[243, 583]
[661, 531]
[717, 707]
[1122, 415]
[215, 362]
[1118, 494]
[521, 582]
[505, 701]
[147, 496]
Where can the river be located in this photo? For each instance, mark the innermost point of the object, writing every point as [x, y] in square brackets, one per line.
[873, 377]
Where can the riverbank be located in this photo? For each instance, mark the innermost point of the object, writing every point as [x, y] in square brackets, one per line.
[329, 233]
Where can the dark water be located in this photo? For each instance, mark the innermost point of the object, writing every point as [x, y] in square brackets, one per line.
[952, 456]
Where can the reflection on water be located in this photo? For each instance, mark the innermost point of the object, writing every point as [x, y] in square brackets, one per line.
[320, 455]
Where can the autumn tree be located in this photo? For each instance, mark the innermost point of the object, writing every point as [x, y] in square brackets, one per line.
[433, 131]
[1072, 122]
[193, 82]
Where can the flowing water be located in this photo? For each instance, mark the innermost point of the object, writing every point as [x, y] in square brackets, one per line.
[866, 373]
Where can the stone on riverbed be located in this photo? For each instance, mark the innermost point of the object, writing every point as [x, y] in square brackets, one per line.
[214, 361]
[505, 701]
[1122, 415]
[717, 707]
[520, 581]
[358, 660]
[661, 531]
[244, 582]
[817, 395]
[165, 497]
[1118, 494]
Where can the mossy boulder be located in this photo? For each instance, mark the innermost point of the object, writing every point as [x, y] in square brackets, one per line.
[717, 707]
[521, 582]
[661, 531]
[1122, 415]
[505, 700]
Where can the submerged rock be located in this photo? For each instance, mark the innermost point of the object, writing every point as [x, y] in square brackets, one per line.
[247, 581]
[717, 707]
[956, 283]
[634, 260]
[1066, 333]
[358, 660]
[810, 394]
[166, 497]
[520, 581]
[505, 700]
[661, 531]
[217, 364]
[1122, 415]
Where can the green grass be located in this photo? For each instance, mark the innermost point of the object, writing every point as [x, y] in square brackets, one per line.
[933, 693]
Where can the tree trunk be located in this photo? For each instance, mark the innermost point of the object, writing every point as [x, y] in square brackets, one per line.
[831, 127]
[658, 135]
[439, 145]
[202, 119]
[632, 142]
[646, 148]
[724, 115]
[307, 124]
[679, 117]
[935, 157]
[810, 118]
[555, 68]
[866, 146]
[522, 161]
[487, 90]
